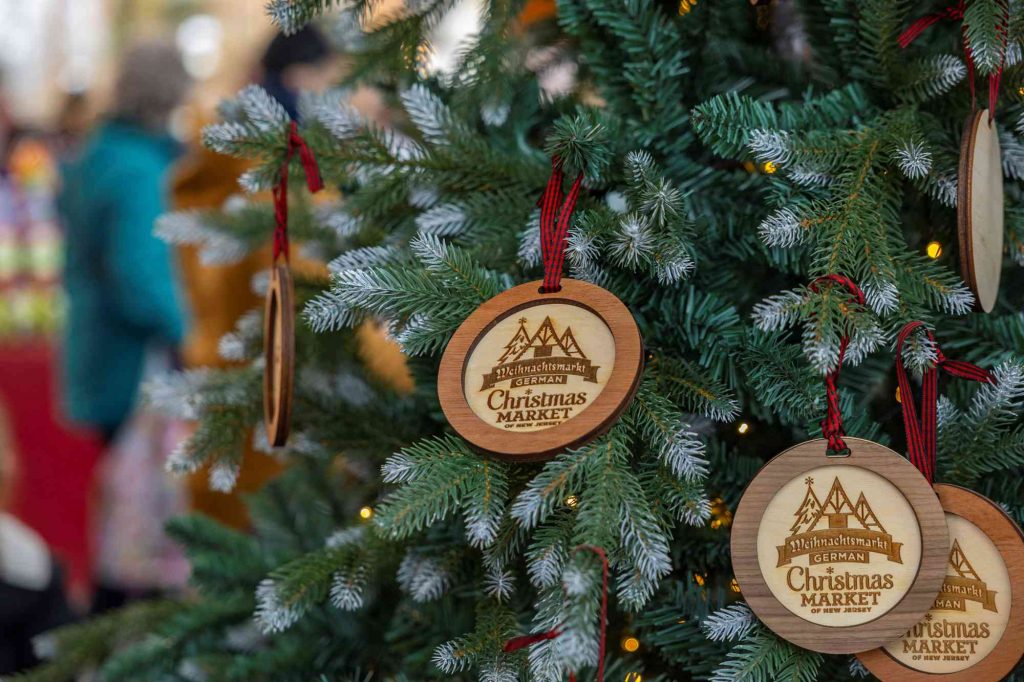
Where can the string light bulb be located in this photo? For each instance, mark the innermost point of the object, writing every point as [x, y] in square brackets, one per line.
[899, 398]
[572, 501]
[630, 644]
[700, 579]
[366, 513]
[934, 250]
[634, 676]
[769, 167]
[734, 585]
[721, 516]
[685, 6]
[743, 428]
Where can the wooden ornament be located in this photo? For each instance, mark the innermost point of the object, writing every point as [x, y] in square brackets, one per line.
[279, 354]
[836, 554]
[980, 209]
[530, 374]
[975, 629]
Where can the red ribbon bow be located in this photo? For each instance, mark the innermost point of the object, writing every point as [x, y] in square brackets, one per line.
[517, 643]
[956, 12]
[313, 181]
[555, 217]
[921, 434]
[832, 424]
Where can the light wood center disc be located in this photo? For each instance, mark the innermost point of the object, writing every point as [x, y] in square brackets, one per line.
[836, 553]
[530, 374]
[278, 354]
[980, 209]
[975, 628]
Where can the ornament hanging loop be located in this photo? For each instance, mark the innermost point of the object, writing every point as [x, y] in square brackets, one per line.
[555, 218]
[832, 424]
[921, 433]
[296, 143]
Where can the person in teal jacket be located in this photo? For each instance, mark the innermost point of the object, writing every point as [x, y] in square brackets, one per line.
[119, 277]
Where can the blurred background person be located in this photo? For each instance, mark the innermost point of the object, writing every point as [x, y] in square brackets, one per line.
[125, 319]
[302, 61]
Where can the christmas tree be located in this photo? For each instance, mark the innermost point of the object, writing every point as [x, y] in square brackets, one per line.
[732, 154]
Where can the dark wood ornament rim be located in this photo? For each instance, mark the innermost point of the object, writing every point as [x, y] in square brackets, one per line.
[595, 420]
[885, 628]
[278, 354]
[1007, 537]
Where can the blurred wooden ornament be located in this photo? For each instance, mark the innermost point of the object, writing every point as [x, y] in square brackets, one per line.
[278, 354]
[980, 209]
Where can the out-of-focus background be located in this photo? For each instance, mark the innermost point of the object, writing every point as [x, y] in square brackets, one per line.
[60, 62]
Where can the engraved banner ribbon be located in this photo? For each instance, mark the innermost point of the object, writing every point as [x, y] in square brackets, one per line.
[537, 367]
[955, 591]
[835, 539]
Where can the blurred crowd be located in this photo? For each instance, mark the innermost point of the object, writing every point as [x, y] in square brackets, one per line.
[81, 271]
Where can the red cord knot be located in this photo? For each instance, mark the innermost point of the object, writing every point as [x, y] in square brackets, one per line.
[832, 424]
[296, 143]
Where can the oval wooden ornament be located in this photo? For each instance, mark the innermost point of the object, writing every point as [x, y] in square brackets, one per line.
[975, 629]
[980, 209]
[278, 354]
[530, 374]
[835, 554]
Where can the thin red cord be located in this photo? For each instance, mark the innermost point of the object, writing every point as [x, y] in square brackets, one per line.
[555, 219]
[921, 435]
[832, 424]
[313, 181]
[524, 641]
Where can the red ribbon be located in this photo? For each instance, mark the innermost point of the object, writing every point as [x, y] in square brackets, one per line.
[956, 12]
[832, 424]
[921, 434]
[555, 217]
[517, 643]
[313, 182]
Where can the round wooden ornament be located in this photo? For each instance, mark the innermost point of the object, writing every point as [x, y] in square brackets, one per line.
[980, 209]
[975, 628]
[278, 354]
[530, 374]
[838, 553]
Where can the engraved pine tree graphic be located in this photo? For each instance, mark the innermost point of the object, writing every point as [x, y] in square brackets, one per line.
[867, 518]
[838, 509]
[958, 561]
[545, 340]
[518, 345]
[808, 511]
[569, 345]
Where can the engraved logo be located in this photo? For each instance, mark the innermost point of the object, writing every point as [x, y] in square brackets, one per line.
[539, 367]
[836, 531]
[829, 553]
[544, 357]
